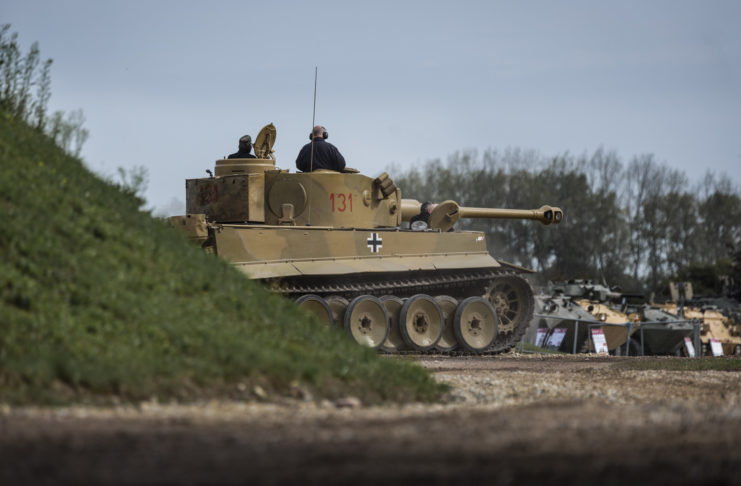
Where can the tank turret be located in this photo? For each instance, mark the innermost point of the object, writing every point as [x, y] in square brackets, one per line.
[336, 242]
[587, 289]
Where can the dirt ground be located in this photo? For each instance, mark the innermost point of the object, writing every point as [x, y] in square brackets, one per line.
[508, 420]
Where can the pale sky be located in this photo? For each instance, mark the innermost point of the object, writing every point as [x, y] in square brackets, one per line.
[172, 85]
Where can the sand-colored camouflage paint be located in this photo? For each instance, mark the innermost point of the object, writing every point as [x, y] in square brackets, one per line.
[272, 251]
[322, 198]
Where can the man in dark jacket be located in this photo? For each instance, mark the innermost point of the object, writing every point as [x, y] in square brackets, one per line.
[245, 145]
[326, 155]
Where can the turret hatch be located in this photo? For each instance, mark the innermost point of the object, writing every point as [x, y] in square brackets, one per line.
[264, 142]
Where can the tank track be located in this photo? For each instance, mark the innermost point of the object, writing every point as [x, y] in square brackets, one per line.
[359, 285]
[458, 284]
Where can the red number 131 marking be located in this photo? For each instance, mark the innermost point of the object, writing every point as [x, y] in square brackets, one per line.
[341, 202]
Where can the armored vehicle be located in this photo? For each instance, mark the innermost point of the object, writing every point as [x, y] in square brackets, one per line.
[663, 333]
[559, 323]
[341, 245]
[714, 326]
[566, 312]
[569, 309]
[718, 317]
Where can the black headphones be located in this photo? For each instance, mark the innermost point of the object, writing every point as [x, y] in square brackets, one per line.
[325, 135]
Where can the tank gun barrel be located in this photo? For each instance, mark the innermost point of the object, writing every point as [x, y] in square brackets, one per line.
[545, 214]
[447, 213]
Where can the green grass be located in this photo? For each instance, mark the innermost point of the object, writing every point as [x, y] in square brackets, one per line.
[684, 364]
[100, 300]
[531, 348]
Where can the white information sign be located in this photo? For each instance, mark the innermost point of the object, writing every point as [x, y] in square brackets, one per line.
[716, 347]
[556, 338]
[540, 336]
[689, 347]
[598, 338]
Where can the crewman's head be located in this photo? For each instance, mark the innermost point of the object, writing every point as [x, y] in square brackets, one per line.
[245, 144]
[319, 132]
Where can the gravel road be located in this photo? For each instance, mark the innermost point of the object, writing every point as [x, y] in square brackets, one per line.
[512, 419]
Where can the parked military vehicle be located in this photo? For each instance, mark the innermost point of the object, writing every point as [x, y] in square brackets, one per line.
[717, 322]
[717, 326]
[570, 309]
[567, 311]
[562, 314]
[663, 333]
[714, 325]
[339, 244]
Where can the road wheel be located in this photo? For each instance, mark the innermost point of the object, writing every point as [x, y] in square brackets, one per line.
[394, 342]
[447, 341]
[421, 322]
[337, 305]
[475, 324]
[367, 321]
[316, 305]
[511, 298]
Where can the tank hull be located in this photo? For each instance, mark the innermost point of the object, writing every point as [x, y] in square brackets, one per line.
[267, 252]
[348, 263]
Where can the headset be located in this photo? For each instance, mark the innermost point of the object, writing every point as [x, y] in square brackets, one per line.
[325, 135]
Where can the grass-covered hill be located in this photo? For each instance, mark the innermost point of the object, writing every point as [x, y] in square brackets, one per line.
[100, 301]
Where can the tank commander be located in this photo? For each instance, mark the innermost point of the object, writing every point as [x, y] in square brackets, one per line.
[245, 146]
[326, 155]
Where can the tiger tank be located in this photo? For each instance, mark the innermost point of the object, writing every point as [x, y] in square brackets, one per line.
[345, 247]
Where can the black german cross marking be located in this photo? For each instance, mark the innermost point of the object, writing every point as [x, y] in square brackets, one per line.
[374, 242]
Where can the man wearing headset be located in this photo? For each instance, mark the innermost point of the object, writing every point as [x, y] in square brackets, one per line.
[326, 155]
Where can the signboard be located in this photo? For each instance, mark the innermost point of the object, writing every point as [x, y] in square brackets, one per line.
[556, 338]
[716, 347]
[540, 336]
[689, 347]
[598, 338]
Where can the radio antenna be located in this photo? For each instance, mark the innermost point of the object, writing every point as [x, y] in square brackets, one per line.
[311, 157]
[313, 113]
[313, 119]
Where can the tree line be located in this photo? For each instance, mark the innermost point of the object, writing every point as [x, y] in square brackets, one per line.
[25, 89]
[636, 223]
